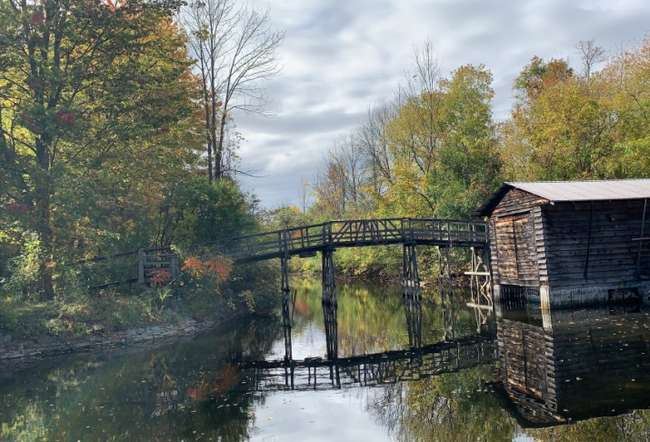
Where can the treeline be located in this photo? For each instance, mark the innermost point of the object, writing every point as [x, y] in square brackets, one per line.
[116, 131]
[436, 150]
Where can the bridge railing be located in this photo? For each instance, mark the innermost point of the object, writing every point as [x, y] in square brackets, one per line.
[358, 232]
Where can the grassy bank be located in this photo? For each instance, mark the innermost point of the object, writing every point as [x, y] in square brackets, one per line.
[193, 296]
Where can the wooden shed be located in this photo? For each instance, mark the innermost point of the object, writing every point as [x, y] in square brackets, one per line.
[570, 242]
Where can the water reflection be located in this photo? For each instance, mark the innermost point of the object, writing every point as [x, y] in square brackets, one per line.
[379, 364]
[370, 369]
[566, 365]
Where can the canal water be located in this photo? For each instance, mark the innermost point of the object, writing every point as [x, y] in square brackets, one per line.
[378, 367]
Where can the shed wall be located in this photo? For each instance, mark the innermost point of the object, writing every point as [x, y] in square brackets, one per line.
[592, 242]
[517, 240]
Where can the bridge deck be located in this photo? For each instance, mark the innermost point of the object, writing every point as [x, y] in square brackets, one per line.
[307, 240]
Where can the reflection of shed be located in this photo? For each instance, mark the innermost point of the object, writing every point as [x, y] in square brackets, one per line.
[560, 236]
[573, 365]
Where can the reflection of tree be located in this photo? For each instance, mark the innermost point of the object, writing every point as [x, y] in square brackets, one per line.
[632, 427]
[449, 407]
[167, 394]
[372, 319]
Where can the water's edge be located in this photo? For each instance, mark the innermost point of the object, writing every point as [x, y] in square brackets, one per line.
[16, 354]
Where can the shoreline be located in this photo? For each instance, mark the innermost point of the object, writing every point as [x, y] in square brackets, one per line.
[27, 352]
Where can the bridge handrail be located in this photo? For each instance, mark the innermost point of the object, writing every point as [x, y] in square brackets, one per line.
[365, 231]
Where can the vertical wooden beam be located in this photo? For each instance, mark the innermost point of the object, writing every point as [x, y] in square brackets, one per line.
[591, 220]
[641, 238]
[410, 274]
[286, 326]
[413, 311]
[331, 330]
[175, 267]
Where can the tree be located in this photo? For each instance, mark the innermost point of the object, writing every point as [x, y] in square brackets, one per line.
[79, 81]
[235, 49]
[590, 55]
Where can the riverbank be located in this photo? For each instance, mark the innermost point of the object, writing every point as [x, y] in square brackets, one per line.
[27, 351]
[31, 332]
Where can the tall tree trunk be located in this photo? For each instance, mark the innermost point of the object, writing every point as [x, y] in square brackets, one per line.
[209, 138]
[43, 191]
[218, 157]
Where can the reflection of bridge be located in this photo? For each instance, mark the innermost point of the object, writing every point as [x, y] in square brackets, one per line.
[372, 369]
[334, 372]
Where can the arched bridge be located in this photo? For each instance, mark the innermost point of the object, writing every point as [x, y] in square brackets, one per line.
[307, 240]
[329, 236]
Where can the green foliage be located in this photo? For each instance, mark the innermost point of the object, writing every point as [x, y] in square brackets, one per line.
[438, 153]
[24, 267]
[201, 212]
[566, 126]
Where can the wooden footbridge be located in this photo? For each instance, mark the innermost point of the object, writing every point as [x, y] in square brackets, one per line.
[308, 240]
[326, 237]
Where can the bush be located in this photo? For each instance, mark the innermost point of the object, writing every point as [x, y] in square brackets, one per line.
[201, 212]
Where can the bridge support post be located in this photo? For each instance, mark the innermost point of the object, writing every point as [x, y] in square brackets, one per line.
[328, 276]
[410, 274]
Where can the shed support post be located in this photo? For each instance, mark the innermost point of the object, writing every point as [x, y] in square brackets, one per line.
[480, 277]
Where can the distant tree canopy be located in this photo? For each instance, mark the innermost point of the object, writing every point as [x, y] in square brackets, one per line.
[432, 153]
[437, 151]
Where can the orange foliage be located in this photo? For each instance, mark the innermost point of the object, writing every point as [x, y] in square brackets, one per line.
[220, 267]
[160, 277]
[193, 266]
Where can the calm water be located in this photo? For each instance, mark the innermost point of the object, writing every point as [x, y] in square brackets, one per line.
[379, 367]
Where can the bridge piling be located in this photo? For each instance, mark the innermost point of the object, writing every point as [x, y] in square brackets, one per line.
[328, 276]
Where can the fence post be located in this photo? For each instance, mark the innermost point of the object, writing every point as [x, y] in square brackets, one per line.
[141, 259]
[173, 263]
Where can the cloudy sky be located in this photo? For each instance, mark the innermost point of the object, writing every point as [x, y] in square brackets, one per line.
[340, 57]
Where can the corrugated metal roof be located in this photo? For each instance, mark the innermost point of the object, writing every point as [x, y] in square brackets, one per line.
[587, 190]
[556, 191]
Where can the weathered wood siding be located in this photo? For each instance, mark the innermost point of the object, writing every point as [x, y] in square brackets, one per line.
[592, 242]
[517, 240]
